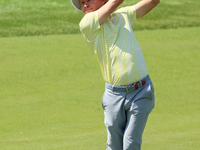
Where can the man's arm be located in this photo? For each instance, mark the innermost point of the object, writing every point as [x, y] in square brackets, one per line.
[106, 10]
[144, 6]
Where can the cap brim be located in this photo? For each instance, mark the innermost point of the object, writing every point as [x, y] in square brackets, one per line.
[77, 5]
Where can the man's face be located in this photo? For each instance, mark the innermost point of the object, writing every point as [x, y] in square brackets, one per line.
[91, 5]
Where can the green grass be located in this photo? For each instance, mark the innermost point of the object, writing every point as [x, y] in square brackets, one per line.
[38, 17]
[51, 86]
[51, 90]
[173, 60]
[47, 17]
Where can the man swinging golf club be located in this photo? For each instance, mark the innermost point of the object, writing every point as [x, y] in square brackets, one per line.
[129, 92]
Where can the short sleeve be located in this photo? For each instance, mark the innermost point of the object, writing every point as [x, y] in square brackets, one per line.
[130, 11]
[89, 25]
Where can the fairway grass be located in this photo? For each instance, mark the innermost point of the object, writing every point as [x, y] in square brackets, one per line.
[51, 90]
[50, 17]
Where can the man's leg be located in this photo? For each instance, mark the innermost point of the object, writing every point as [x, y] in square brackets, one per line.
[114, 118]
[137, 116]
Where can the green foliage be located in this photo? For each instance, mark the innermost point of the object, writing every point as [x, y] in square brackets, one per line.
[45, 17]
[51, 91]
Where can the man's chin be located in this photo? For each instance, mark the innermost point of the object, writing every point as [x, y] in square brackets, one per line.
[88, 11]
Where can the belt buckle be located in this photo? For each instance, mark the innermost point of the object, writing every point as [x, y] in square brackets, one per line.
[131, 89]
[127, 89]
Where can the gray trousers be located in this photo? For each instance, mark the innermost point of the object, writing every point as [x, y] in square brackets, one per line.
[126, 114]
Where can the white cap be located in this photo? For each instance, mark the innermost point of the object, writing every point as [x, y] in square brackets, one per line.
[77, 5]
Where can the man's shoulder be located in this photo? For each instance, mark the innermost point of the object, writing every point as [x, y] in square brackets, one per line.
[127, 12]
[88, 18]
[125, 9]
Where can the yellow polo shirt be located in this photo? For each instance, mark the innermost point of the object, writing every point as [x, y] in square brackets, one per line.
[115, 45]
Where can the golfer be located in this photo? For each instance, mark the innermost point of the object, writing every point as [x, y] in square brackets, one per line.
[129, 92]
